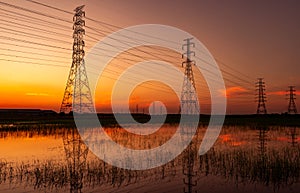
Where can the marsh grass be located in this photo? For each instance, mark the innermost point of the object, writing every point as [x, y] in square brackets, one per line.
[278, 169]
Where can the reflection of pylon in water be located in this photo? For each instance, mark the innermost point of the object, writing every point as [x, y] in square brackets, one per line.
[189, 98]
[188, 169]
[188, 162]
[76, 153]
[77, 96]
[293, 135]
[262, 137]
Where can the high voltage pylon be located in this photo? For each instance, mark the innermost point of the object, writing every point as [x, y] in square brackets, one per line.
[292, 96]
[77, 90]
[261, 97]
[189, 98]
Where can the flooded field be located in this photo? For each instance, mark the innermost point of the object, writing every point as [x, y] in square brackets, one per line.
[244, 159]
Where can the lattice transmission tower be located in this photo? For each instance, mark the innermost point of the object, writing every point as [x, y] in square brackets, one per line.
[261, 97]
[77, 96]
[189, 98]
[292, 97]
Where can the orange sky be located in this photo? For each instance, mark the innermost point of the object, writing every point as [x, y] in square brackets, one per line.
[257, 40]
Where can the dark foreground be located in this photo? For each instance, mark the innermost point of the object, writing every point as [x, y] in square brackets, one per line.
[8, 118]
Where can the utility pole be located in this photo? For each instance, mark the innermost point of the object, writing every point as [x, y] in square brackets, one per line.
[261, 97]
[292, 97]
[189, 98]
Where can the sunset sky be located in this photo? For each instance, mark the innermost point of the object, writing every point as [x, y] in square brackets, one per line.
[248, 40]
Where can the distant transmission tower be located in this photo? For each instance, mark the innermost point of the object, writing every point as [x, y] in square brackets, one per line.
[77, 90]
[189, 99]
[292, 96]
[261, 97]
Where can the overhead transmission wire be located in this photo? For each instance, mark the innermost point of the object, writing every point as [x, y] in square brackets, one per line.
[224, 78]
[44, 30]
[164, 59]
[42, 14]
[42, 60]
[103, 23]
[37, 59]
[33, 53]
[32, 58]
[52, 17]
[30, 62]
[22, 27]
[53, 65]
[228, 73]
[54, 24]
[99, 22]
[34, 48]
[242, 79]
[18, 17]
[36, 63]
[25, 34]
[67, 42]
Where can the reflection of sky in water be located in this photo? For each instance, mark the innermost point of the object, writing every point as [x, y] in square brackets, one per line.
[26, 146]
[237, 150]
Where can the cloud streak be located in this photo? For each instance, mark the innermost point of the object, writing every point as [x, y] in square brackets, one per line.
[235, 90]
[36, 94]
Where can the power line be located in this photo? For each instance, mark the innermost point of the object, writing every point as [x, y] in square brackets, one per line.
[29, 47]
[33, 53]
[30, 42]
[118, 27]
[32, 58]
[44, 14]
[33, 18]
[33, 11]
[49, 6]
[36, 63]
